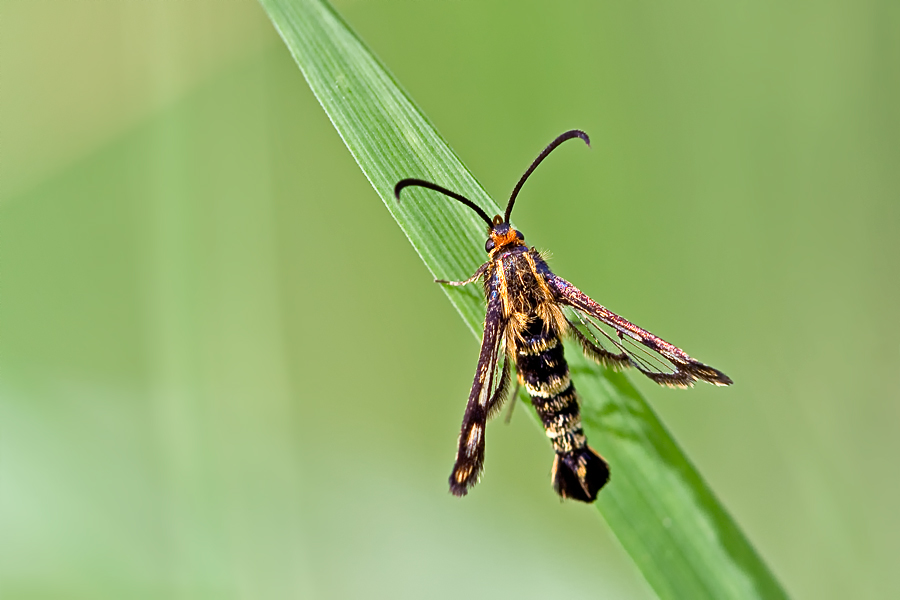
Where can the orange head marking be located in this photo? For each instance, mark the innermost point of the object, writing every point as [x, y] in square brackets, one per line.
[502, 235]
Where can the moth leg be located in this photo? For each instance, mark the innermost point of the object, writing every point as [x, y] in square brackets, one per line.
[599, 355]
[499, 395]
[471, 279]
[512, 403]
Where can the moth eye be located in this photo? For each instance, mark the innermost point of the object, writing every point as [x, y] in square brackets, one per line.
[489, 245]
[519, 235]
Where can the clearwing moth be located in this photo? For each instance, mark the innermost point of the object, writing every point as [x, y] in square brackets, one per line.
[529, 310]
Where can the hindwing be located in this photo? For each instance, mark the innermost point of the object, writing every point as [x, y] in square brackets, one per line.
[616, 342]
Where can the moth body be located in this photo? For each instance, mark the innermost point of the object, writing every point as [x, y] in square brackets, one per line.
[534, 332]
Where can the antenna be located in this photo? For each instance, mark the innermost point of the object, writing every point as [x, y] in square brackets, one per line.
[574, 133]
[433, 186]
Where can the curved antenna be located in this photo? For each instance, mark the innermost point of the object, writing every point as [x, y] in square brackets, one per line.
[574, 133]
[433, 186]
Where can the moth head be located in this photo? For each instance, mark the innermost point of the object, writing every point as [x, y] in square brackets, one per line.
[503, 236]
[501, 233]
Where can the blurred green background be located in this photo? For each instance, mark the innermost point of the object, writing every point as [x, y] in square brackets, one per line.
[225, 374]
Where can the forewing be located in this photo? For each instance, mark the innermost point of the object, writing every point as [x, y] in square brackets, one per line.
[616, 342]
[488, 391]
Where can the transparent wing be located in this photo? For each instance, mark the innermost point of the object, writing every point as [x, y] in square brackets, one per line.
[616, 342]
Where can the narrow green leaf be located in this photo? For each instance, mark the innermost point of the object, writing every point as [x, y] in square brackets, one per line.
[673, 527]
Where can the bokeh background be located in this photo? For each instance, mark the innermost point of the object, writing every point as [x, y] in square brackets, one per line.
[225, 374]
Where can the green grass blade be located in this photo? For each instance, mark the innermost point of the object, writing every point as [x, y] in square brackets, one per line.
[667, 519]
